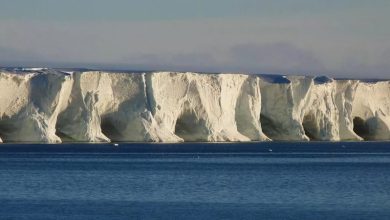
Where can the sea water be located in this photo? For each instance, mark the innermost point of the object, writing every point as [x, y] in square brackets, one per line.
[238, 181]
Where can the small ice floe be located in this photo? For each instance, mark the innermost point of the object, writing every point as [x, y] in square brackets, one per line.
[34, 69]
[269, 150]
[116, 145]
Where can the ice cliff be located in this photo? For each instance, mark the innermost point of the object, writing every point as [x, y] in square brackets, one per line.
[54, 106]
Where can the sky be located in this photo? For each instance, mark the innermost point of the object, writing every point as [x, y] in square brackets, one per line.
[340, 38]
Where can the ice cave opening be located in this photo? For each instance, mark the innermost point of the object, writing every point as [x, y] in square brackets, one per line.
[269, 127]
[110, 128]
[1, 134]
[310, 127]
[5, 128]
[361, 128]
[62, 135]
[61, 128]
[190, 127]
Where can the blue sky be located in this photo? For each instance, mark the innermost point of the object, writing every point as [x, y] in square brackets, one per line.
[333, 37]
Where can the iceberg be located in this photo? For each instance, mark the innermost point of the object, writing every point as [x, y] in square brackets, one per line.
[54, 106]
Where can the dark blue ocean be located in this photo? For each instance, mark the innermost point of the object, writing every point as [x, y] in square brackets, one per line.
[196, 181]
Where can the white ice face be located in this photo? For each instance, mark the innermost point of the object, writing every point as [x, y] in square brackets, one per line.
[46, 105]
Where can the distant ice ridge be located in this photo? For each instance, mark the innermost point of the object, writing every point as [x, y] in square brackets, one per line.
[54, 106]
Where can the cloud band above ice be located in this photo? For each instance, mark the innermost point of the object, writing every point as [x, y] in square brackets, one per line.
[339, 38]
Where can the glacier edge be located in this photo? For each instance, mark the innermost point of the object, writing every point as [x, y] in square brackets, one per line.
[53, 106]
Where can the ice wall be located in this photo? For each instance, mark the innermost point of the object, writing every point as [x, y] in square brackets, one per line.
[53, 106]
[30, 104]
[371, 110]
